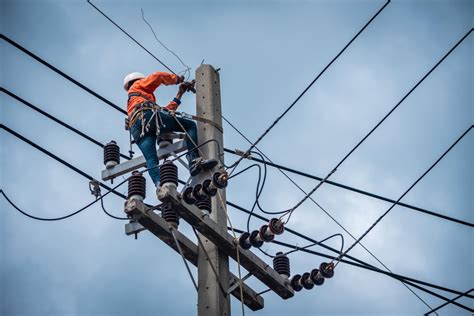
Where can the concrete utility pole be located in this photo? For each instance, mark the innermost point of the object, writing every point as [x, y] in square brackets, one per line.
[212, 301]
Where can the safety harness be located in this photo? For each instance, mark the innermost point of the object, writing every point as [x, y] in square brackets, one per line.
[150, 105]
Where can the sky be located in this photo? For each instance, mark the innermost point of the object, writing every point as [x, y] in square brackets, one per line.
[268, 52]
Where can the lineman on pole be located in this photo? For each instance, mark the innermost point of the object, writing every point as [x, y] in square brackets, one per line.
[147, 119]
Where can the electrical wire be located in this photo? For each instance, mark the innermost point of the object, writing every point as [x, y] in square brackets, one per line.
[343, 186]
[53, 219]
[55, 119]
[376, 126]
[406, 192]
[187, 70]
[310, 85]
[326, 212]
[357, 262]
[61, 73]
[319, 242]
[131, 37]
[405, 280]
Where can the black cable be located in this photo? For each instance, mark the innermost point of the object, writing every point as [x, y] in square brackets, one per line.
[448, 302]
[77, 83]
[406, 192]
[317, 243]
[311, 84]
[355, 261]
[51, 117]
[407, 281]
[380, 122]
[65, 216]
[262, 155]
[77, 170]
[125, 32]
[109, 214]
[343, 186]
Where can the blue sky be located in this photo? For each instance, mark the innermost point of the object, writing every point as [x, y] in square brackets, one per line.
[268, 51]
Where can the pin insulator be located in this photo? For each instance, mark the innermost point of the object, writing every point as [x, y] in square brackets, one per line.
[255, 239]
[317, 277]
[281, 264]
[209, 188]
[220, 180]
[188, 196]
[198, 194]
[327, 269]
[111, 154]
[306, 281]
[244, 241]
[266, 234]
[276, 226]
[169, 215]
[295, 283]
[168, 173]
[205, 204]
[137, 186]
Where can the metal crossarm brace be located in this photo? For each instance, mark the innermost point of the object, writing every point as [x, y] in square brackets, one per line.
[139, 162]
[160, 228]
[201, 221]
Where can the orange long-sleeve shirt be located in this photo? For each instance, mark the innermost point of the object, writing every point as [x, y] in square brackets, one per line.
[147, 86]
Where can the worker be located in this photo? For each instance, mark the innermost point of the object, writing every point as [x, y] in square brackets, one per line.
[147, 120]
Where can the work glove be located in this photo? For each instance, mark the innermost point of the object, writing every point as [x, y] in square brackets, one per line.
[180, 79]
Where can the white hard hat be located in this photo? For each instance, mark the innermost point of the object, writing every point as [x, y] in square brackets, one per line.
[130, 77]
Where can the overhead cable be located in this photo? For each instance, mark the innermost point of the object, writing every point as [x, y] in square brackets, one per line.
[61, 73]
[406, 192]
[131, 37]
[290, 211]
[311, 84]
[346, 187]
[55, 119]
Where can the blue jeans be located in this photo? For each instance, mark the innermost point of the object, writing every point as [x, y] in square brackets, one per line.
[167, 124]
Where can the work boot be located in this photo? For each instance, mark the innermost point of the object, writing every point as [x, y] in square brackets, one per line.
[199, 164]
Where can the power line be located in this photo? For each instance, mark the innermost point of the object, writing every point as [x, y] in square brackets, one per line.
[61, 73]
[50, 154]
[357, 262]
[54, 219]
[406, 192]
[311, 84]
[327, 213]
[448, 302]
[131, 37]
[346, 187]
[370, 268]
[51, 117]
[379, 123]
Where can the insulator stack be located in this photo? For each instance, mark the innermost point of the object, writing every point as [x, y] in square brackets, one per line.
[111, 154]
[168, 173]
[316, 277]
[136, 186]
[205, 204]
[169, 215]
[266, 233]
[281, 264]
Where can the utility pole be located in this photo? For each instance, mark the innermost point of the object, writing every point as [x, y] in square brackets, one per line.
[212, 301]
